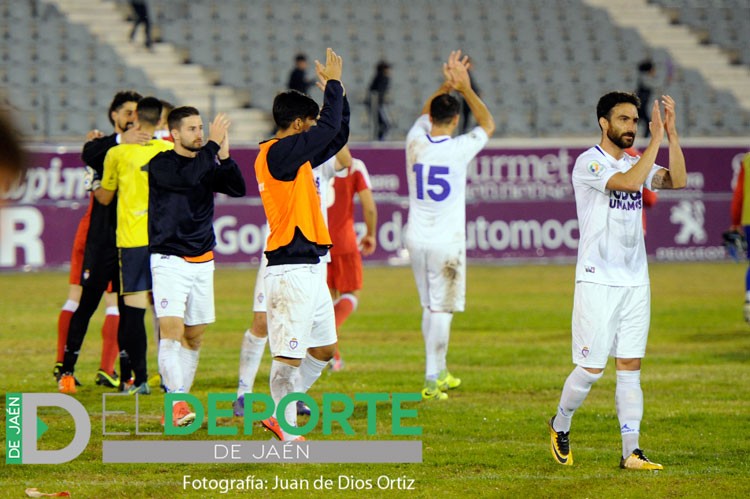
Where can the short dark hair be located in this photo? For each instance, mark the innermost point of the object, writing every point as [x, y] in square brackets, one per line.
[645, 66]
[149, 110]
[165, 104]
[300, 57]
[290, 105]
[120, 99]
[443, 109]
[13, 163]
[176, 115]
[608, 101]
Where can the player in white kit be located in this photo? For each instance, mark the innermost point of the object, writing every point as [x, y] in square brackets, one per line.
[254, 339]
[436, 167]
[612, 300]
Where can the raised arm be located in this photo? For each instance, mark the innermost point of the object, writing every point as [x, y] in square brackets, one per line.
[676, 176]
[457, 69]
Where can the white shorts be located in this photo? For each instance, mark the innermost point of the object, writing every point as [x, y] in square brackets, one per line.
[440, 273]
[183, 289]
[299, 311]
[259, 293]
[609, 321]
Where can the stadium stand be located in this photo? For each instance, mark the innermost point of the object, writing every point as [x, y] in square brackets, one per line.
[723, 22]
[540, 65]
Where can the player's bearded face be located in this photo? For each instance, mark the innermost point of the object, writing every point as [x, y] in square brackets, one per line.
[622, 138]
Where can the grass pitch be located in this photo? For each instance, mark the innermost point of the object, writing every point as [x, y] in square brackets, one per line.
[512, 350]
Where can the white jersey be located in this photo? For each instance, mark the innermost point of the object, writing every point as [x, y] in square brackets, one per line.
[611, 249]
[323, 176]
[436, 175]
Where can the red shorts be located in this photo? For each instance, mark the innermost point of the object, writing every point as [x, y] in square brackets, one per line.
[345, 272]
[79, 245]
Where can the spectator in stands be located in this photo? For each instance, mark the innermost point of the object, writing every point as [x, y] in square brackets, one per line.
[140, 9]
[298, 77]
[377, 97]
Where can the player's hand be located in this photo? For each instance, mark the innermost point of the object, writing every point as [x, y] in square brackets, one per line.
[94, 134]
[91, 179]
[669, 116]
[367, 245]
[134, 135]
[458, 69]
[656, 126]
[332, 69]
[219, 128]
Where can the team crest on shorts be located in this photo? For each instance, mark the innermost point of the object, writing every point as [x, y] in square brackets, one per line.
[585, 352]
[293, 343]
[261, 297]
[86, 274]
[596, 168]
[164, 303]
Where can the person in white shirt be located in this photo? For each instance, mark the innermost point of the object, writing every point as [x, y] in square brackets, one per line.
[436, 166]
[612, 299]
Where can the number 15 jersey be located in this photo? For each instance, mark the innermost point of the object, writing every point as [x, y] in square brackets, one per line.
[436, 176]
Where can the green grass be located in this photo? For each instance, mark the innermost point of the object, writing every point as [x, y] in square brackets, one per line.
[512, 350]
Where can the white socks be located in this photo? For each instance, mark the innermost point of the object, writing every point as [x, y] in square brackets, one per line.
[251, 354]
[629, 403]
[189, 362]
[170, 365]
[436, 329]
[575, 390]
[283, 380]
[70, 306]
[309, 372]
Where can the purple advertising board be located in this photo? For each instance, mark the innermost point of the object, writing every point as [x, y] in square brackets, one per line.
[519, 206]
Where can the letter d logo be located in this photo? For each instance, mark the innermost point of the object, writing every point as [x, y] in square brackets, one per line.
[23, 427]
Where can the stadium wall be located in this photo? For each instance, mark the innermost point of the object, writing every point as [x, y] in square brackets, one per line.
[519, 206]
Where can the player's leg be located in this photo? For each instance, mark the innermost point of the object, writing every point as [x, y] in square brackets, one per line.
[74, 292]
[199, 313]
[446, 274]
[63, 326]
[593, 331]
[629, 349]
[79, 323]
[419, 266]
[107, 376]
[290, 313]
[253, 342]
[136, 285]
[323, 339]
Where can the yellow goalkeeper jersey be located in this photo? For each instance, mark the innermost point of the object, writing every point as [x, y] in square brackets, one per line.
[124, 173]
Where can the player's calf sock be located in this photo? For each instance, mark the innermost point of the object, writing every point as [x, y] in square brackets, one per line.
[251, 354]
[189, 361]
[440, 331]
[170, 365]
[343, 308]
[109, 339]
[283, 379]
[629, 404]
[309, 372]
[79, 323]
[575, 390]
[426, 314]
[131, 336]
[63, 325]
